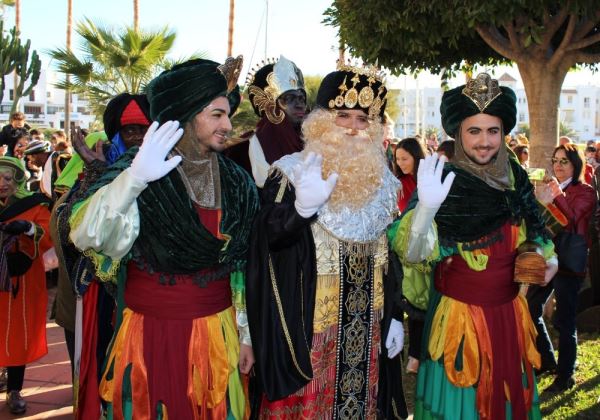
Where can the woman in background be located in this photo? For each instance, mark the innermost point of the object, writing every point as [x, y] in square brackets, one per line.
[407, 156]
[577, 201]
[24, 218]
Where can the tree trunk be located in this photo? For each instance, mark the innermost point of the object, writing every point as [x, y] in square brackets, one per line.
[231, 26]
[67, 92]
[136, 15]
[542, 86]
[15, 106]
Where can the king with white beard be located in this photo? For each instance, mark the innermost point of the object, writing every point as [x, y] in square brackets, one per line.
[315, 285]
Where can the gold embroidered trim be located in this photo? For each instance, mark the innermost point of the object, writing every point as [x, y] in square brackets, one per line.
[286, 331]
[282, 186]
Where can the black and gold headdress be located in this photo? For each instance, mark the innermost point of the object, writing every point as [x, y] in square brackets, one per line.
[352, 87]
[268, 82]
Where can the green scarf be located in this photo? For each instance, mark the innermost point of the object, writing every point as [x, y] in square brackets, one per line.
[172, 239]
[473, 210]
[69, 175]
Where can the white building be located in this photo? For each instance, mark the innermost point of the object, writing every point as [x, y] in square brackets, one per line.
[44, 107]
[579, 109]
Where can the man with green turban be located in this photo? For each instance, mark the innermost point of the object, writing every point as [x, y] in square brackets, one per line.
[460, 235]
[169, 222]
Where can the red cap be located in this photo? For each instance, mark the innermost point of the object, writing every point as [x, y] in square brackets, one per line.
[132, 114]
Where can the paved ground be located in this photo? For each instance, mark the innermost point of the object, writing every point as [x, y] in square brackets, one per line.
[47, 388]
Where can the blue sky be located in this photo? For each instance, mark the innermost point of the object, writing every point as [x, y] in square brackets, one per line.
[294, 29]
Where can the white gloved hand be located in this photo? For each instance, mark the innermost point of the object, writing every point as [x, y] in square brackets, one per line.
[431, 191]
[395, 339]
[312, 191]
[149, 164]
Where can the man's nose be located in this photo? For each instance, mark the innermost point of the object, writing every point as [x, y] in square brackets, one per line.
[227, 124]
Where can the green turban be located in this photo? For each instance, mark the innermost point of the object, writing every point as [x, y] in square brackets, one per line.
[17, 168]
[482, 94]
[186, 89]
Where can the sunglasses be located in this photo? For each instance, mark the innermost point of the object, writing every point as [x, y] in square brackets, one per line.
[561, 161]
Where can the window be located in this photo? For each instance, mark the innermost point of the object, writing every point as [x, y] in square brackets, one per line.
[48, 94]
[55, 109]
[568, 116]
[11, 95]
[32, 96]
[521, 117]
[33, 109]
[569, 99]
[586, 102]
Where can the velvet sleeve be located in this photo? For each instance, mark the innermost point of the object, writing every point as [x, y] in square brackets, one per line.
[284, 225]
[280, 291]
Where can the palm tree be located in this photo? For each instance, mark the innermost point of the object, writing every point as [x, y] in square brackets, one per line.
[113, 61]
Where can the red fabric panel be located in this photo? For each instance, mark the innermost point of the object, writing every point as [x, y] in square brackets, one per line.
[89, 398]
[167, 364]
[506, 365]
[184, 300]
[492, 286]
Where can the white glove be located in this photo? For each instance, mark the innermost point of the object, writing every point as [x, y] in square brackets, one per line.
[431, 191]
[395, 339]
[149, 164]
[312, 191]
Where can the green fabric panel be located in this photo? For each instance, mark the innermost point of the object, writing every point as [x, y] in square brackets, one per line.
[438, 398]
[159, 411]
[126, 393]
[71, 172]
[172, 239]
[236, 400]
[416, 286]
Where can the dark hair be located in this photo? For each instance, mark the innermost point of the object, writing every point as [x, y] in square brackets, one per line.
[574, 156]
[414, 148]
[590, 149]
[17, 116]
[447, 147]
[519, 150]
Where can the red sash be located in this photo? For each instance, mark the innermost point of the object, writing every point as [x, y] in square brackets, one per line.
[490, 287]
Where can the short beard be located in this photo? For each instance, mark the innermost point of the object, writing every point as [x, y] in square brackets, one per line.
[358, 160]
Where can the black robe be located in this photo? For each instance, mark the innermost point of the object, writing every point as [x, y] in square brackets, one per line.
[282, 349]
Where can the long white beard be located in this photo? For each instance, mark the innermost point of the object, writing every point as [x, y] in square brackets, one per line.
[357, 159]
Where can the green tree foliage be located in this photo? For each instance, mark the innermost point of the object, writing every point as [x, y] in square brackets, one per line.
[244, 119]
[544, 38]
[113, 61]
[565, 129]
[311, 84]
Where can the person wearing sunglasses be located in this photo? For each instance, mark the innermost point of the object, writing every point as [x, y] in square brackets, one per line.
[577, 201]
